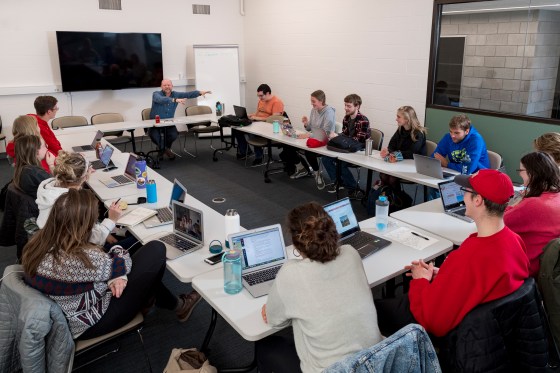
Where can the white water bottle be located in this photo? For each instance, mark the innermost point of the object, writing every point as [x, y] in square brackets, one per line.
[232, 223]
[381, 213]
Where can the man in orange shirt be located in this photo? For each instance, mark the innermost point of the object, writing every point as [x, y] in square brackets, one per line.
[268, 105]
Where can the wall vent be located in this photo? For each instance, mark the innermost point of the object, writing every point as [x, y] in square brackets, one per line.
[201, 9]
[110, 4]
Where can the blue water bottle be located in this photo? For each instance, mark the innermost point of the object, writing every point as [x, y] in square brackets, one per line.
[381, 213]
[232, 271]
[276, 126]
[141, 173]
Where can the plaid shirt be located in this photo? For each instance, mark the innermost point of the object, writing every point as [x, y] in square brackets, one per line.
[361, 132]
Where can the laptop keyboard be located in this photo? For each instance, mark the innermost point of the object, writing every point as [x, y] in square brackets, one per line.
[164, 215]
[265, 275]
[359, 240]
[121, 179]
[178, 242]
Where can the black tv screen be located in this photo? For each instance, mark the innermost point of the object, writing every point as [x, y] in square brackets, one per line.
[91, 61]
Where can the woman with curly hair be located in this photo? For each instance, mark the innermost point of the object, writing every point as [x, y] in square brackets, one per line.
[309, 293]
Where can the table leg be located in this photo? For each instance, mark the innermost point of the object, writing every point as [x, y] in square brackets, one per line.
[133, 141]
[229, 144]
[368, 182]
[209, 332]
[338, 176]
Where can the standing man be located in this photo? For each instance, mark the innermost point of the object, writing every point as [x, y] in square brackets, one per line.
[268, 105]
[462, 140]
[356, 126]
[46, 109]
[164, 103]
[490, 264]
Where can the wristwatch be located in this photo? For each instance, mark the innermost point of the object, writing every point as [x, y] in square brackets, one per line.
[174, 99]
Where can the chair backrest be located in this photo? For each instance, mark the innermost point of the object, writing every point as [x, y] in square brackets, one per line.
[198, 110]
[146, 113]
[496, 160]
[377, 138]
[495, 336]
[272, 118]
[430, 147]
[106, 118]
[69, 121]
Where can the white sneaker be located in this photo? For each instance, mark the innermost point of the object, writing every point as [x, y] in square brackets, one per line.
[302, 172]
[319, 180]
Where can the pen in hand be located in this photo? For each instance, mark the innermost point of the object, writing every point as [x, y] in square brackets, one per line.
[419, 235]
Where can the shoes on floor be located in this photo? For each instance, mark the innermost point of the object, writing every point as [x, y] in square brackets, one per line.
[319, 180]
[257, 162]
[332, 188]
[302, 172]
[242, 157]
[169, 154]
[356, 194]
[187, 302]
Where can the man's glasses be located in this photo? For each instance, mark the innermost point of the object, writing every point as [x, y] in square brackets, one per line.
[55, 108]
[466, 190]
[260, 95]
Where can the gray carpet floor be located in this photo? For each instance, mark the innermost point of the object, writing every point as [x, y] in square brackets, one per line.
[258, 204]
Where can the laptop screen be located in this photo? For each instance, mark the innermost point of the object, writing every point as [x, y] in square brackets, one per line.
[240, 112]
[178, 193]
[187, 221]
[106, 155]
[343, 215]
[130, 170]
[98, 136]
[451, 194]
[261, 246]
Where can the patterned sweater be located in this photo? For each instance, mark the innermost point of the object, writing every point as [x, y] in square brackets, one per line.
[82, 293]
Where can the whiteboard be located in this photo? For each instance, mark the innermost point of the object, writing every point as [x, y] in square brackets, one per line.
[217, 70]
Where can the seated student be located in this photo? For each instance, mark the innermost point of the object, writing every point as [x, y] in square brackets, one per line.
[113, 287]
[71, 172]
[330, 276]
[356, 126]
[536, 216]
[488, 265]
[549, 143]
[462, 140]
[46, 108]
[321, 117]
[409, 139]
[25, 125]
[28, 174]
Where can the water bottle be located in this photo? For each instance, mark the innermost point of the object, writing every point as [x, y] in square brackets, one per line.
[232, 223]
[98, 149]
[465, 163]
[232, 271]
[275, 127]
[381, 213]
[141, 173]
[218, 109]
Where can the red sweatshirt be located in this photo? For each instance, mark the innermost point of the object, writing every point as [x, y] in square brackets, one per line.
[48, 135]
[480, 270]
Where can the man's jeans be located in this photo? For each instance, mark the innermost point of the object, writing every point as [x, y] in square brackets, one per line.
[346, 176]
[157, 136]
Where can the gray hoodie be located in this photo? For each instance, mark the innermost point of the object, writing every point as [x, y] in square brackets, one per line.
[323, 119]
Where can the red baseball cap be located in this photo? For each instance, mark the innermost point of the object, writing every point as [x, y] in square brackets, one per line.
[490, 184]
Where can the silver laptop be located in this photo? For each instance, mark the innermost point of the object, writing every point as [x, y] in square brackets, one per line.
[85, 148]
[319, 134]
[165, 215]
[262, 254]
[104, 160]
[188, 232]
[453, 201]
[349, 230]
[129, 176]
[430, 167]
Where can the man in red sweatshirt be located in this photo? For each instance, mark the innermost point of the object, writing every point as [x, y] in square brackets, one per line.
[46, 109]
[489, 264]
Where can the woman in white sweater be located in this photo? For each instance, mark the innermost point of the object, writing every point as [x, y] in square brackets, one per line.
[325, 297]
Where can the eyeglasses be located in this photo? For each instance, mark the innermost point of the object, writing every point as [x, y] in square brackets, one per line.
[519, 170]
[260, 95]
[466, 190]
[55, 108]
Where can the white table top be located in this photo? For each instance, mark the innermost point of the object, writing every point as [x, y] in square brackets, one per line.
[243, 312]
[430, 217]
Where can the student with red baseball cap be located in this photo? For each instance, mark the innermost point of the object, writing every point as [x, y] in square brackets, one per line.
[489, 264]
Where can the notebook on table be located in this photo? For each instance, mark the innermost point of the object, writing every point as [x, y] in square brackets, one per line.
[84, 148]
[188, 232]
[104, 160]
[262, 254]
[453, 200]
[129, 176]
[165, 215]
[349, 230]
[430, 167]
[241, 113]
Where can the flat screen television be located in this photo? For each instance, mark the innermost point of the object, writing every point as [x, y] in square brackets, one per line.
[91, 61]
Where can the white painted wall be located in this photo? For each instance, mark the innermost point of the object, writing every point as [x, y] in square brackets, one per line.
[378, 49]
[30, 59]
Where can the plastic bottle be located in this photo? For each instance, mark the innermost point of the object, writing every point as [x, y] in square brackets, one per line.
[218, 109]
[98, 149]
[232, 271]
[232, 223]
[381, 213]
[465, 163]
[157, 119]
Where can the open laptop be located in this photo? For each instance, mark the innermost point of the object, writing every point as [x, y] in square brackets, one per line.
[85, 148]
[104, 160]
[453, 201]
[262, 253]
[241, 113]
[430, 167]
[129, 176]
[188, 232]
[349, 230]
[165, 215]
[319, 134]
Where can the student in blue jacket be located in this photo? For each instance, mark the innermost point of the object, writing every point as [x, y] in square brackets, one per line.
[462, 140]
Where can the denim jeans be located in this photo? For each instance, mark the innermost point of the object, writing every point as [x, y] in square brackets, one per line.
[242, 145]
[348, 180]
[157, 136]
[408, 350]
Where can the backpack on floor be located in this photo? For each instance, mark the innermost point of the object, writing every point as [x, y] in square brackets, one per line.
[398, 199]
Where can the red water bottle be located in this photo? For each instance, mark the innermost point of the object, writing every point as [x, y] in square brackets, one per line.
[98, 149]
[157, 119]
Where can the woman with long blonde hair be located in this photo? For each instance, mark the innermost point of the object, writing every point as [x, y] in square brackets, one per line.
[25, 125]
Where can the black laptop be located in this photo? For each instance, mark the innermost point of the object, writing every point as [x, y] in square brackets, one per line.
[241, 114]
